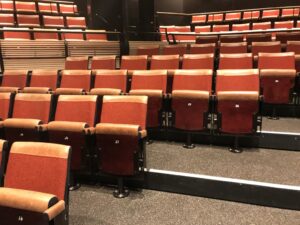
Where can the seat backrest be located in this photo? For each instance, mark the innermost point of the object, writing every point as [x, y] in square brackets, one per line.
[70, 35]
[44, 78]
[236, 61]
[28, 20]
[149, 80]
[203, 48]
[7, 5]
[182, 29]
[232, 38]
[283, 37]
[116, 79]
[80, 108]
[77, 63]
[179, 49]
[16, 35]
[95, 36]
[298, 23]
[32, 106]
[269, 47]
[284, 24]
[291, 12]
[106, 62]
[125, 110]
[237, 80]
[197, 80]
[251, 15]
[199, 29]
[207, 39]
[167, 62]
[198, 61]
[68, 8]
[238, 47]
[240, 27]
[53, 21]
[163, 29]
[7, 19]
[76, 79]
[14, 78]
[293, 46]
[134, 62]
[270, 13]
[53, 35]
[219, 28]
[258, 38]
[76, 22]
[3, 159]
[199, 19]
[25, 6]
[283, 60]
[233, 16]
[148, 50]
[215, 17]
[261, 26]
[47, 7]
[41, 167]
[6, 101]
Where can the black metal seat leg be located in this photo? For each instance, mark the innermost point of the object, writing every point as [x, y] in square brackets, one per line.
[189, 144]
[121, 191]
[236, 148]
[73, 183]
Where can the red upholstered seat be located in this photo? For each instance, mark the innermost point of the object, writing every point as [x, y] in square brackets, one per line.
[207, 39]
[231, 38]
[13, 80]
[77, 63]
[28, 20]
[199, 29]
[110, 82]
[251, 15]
[106, 62]
[270, 13]
[53, 35]
[203, 48]
[233, 16]
[284, 24]
[68, 8]
[120, 134]
[277, 72]
[298, 23]
[75, 82]
[6, 100]
[240, 27]
[30, 112]
[6, 5]
[54, 21]
[76, 22]
[258, 38]
[163, 29]
[3, 159]
[148, 50]
[72, 35]
[94, 36]
[237, 94]
[268, 47]
[167, 62]
[220, 28]
[215, 17]
[42, 81]
[198, 61]
[25, 7]
[283, 37]
[23, 34]
[236, 61]
[261, 26]
[199, 19]
[294, 46]
[183, 38]
[134, 62]
[179, 49]
[237, 47]
[36, 183]
[7, 20]
[190, 96]
[291, 12]
[152, 84]
[47, 7]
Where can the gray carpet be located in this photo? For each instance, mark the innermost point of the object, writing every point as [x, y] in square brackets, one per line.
[282, 125]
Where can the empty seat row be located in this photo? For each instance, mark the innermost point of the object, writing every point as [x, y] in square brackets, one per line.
[23, 20]
[266, 14]
[37, 7]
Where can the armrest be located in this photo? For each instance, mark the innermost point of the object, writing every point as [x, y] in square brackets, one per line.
[187, 94]
[26, 200]
[118, 129]
[67, 126]
[105, 91]
[41, 90]
[90, 131]
[9, 89]
[22, 123]
[150, 93]
[278, 73]
[143, 133]
[1, 124]
[55, 210]
[69, 91]
[238, 95]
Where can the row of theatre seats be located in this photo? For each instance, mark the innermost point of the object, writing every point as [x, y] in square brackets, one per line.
[246, 15]
[38, 7]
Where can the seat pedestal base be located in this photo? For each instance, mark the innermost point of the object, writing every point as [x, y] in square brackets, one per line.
[121, 192]
[189, 144]
[236, 148]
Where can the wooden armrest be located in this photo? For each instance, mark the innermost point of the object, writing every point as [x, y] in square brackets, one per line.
[22, 123]
[117, 129]
[67, 126]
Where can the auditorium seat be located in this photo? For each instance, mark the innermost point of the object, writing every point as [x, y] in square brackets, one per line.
[183, 38]
[203, 48]
[199, 19]
[190, 100]
[215, 17]
[164, 62]
[7, 20]
[74, 128]
[268, 47]
[16, 33]
[258, 38]
[178, 49]
[47, 7]
[148, 50]
[54, 21]
[298, 24]
[290, 13]
[30, 114]
[42, 81]
[106, 62]
[68, 8]
[6, 5]
[6, 103]
[240, 27]
[72, 35]
[198, 61]
[75, 22]
[109, 82]
[199, 29]
[134, 62]
[236, 61]
[233, 16]
[154, 85]
[261, 26]
[284, 24]
[237, 47]
[13, 80]
[220, 28]
[77, 63]
[42, 34]
[207, 39]
[294, 46]
[95, 36]
[277, 72]
[251, 15]
[74, 82]
[163, 29]
[28, 20]
[232, 38]
[3, 159]
[283, 37]
[35, 184]
[270, 14]
[25, 7]
[121, 136]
